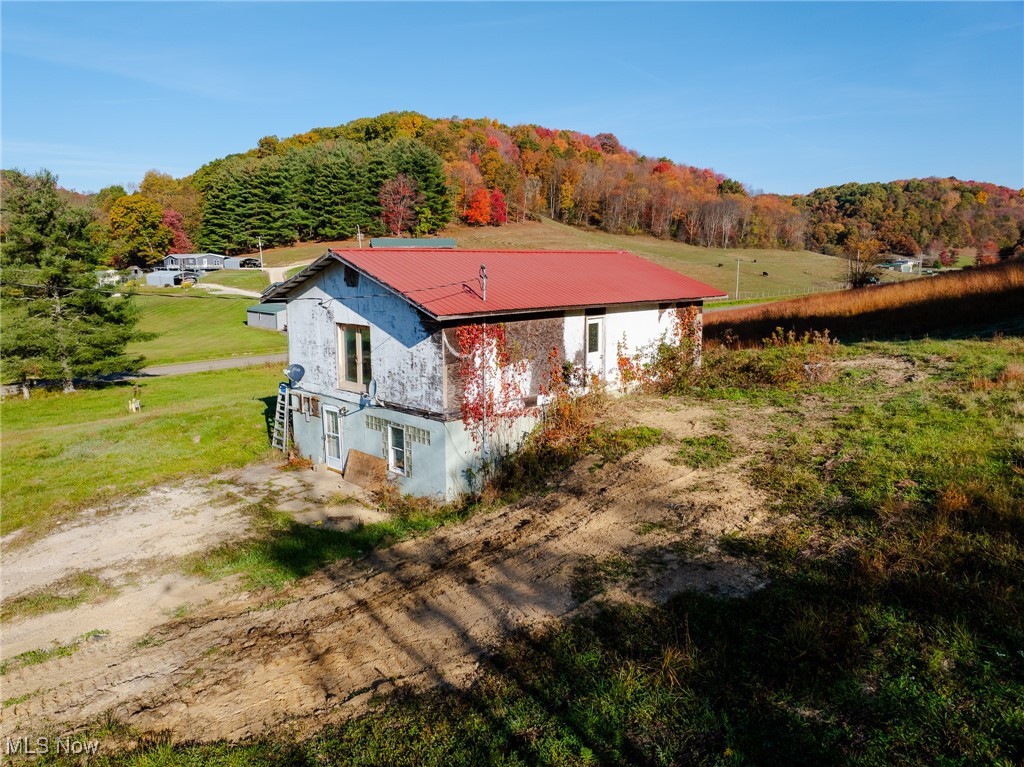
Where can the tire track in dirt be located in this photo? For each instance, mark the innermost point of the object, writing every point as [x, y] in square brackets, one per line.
[420, 613]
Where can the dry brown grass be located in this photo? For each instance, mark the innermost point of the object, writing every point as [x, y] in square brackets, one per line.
[988, 296]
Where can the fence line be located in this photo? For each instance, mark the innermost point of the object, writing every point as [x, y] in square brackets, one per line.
[745, 295]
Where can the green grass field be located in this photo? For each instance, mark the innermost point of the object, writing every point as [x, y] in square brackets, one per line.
[62, 452]
[305, 251]
[248, 279]
[197, 325]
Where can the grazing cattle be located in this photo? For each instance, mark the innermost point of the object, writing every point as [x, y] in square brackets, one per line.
[719, 266]
[764, 274]
[754, 261]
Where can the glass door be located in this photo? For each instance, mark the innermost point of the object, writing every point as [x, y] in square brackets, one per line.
[332, 439]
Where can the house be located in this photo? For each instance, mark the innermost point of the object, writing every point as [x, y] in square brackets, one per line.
[268, 316]
[412, 242]
[135, 273]
[386, 340]
[904, 265]
[196, 261]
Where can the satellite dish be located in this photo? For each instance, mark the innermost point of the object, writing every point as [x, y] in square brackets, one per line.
[294, 373]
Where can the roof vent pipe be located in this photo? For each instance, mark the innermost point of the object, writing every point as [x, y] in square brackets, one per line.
[483, 281]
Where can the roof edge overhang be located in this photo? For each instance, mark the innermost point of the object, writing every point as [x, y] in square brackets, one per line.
[279, 291]
[567, 307]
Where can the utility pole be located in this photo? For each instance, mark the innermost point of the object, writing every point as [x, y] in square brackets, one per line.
[259, 241]
[359, 236]
[737, 297]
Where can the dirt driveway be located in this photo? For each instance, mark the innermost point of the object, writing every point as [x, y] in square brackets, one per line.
[237, 663]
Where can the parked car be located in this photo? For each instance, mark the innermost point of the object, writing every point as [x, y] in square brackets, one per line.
[249, 263]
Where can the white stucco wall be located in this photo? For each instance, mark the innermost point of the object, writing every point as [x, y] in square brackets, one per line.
[406, 358]
[638, 327]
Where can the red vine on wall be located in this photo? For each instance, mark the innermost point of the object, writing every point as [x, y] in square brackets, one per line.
[677, 353]
[506, 372]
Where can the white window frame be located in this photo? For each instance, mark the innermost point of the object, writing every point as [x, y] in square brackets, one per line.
[343, 383]
[392, 464]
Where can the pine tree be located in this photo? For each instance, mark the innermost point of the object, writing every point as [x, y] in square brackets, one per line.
[57, 324]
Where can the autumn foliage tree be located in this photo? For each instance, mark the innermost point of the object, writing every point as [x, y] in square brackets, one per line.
[399, 198]
[180, 242]
[138, 236]
[988, 253]
[499, 209]
[478, 212]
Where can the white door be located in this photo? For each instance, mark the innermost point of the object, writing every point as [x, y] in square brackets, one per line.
[595, 346]
[332, 438]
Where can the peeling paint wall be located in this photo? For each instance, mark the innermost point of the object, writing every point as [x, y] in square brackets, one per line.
[405, 349]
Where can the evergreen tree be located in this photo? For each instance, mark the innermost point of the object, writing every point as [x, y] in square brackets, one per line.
[221, 228]
[57, 324]
[337, 178]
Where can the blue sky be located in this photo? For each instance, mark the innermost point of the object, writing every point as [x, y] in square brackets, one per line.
[785, 97]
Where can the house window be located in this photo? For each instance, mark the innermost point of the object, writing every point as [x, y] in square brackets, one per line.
[354, 369]
[396, 450]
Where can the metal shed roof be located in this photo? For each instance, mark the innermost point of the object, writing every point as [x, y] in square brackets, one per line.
[412, 242]
[267, 308]
[446, 283]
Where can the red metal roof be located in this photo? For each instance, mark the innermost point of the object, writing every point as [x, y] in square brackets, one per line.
[445, 283]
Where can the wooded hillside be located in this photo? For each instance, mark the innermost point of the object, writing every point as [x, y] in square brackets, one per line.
[402, 172]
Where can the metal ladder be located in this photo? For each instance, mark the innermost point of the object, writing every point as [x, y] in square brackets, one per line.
[279, 439]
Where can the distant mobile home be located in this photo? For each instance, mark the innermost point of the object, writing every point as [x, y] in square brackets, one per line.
[200, 261]
[378, 330]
